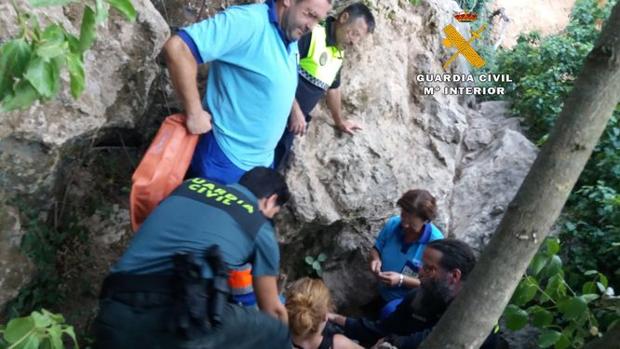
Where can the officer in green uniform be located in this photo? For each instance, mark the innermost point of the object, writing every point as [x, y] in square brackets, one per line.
[169, 289]
[322, 55]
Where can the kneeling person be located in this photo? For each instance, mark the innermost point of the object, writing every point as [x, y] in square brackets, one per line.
[447, 264]
[166, 290]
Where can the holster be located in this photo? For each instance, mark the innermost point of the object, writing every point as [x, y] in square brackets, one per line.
[190, 293]
[199, 302]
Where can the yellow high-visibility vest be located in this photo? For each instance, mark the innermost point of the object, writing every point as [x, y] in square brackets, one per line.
[323, 62]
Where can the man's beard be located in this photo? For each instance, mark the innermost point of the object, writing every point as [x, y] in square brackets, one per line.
[435, 295]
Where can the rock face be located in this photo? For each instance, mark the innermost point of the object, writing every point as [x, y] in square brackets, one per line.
[36, 144]
[344, 188]
[547, 17]
[470, 156]
[15, 268]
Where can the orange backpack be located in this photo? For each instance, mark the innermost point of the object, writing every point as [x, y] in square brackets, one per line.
[162, 168]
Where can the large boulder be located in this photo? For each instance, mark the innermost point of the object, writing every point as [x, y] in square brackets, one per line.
[472, 157]
[37, 144]
[15, 268]
[120, 69]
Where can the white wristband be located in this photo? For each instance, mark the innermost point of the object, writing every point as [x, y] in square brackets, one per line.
[400, 280]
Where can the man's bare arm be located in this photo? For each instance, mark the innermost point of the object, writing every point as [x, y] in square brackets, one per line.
[183, 70]
[266, 289]
[334, 104]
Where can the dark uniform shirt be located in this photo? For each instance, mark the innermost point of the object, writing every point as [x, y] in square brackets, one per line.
[407, 327]
[308, 95]
[184, 224]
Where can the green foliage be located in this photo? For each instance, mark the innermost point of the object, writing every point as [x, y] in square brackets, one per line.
[39, 330]
[567, 318]
[314, 264]
[31, 64]
[544, 70]
[42, 243]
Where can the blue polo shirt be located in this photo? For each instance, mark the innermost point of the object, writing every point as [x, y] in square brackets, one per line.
[252, 80]
[400, 257]
[182, 224]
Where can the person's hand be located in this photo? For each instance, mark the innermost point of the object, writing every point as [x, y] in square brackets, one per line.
[198, 122]
[297, 122]
[337, 319]
[389, 278]
[383, 344]
[349, 127]
[375, 266]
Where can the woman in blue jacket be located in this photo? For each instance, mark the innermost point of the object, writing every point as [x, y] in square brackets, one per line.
[397, 254]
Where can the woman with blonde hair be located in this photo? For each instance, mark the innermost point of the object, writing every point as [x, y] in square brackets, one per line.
[308, 301]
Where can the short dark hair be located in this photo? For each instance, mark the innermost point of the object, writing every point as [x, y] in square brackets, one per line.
[419, 202]
[264, 182]
[456, 254]
[357, 10]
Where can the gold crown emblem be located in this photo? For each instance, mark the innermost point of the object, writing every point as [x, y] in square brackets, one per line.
[465, 16]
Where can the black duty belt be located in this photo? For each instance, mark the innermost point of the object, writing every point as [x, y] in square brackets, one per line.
[132, 283]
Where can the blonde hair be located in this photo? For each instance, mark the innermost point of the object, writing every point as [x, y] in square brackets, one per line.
[307, 302]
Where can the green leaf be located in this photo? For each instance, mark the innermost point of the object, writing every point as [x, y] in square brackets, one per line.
[32, 342]
[553, 267]
[74, 44]
[541, 317]
[57, 318]
[538, 263]
[40, 320]
[71, 333]
[44, 77]
[309, 260]
[573, 308]
[53, 43]
[321, 257]
[563, 342]
[18, 328]
[588, 287]
[41, 3]
[525, 292]
[125, 7]
[88, 31]
[589, 297]
[14, 57]
[590, 272]
[548, 338]
[55, 337]
[76, 73]
[603, 280]
[516, 318]
[46, 343]
[101, 11]
[556, 288]
[316, 265]
[601, 287]
[553, 246]
[23, 97]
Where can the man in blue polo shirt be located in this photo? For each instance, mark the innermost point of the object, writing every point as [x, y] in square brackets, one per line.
[253, 55]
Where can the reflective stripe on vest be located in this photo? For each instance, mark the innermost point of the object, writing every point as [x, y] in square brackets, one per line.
[323, 62]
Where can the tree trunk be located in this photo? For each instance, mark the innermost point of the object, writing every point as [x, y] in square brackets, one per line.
[538, 203]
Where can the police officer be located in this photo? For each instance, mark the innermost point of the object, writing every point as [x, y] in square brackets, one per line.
[169, 288]
[322, 55]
